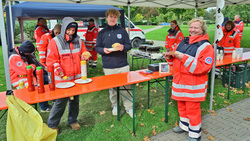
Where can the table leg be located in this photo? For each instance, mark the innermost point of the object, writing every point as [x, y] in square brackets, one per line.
[166, 100]
[148, 93]
[132, 63]
[133, 86]
[245, 75]
[229, 81]
[118, 103]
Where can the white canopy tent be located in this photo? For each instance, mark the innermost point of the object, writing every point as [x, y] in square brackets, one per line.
[191, 4]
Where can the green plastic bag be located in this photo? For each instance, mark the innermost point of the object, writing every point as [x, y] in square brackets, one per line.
[24, 123]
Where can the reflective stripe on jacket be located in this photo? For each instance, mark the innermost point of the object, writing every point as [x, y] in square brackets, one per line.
[229, 41]
[190, 73]
[239, 25]
[38, 32]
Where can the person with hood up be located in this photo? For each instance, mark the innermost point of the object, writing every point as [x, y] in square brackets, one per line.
[44, 42]
[174, 37]
[65, 53]
[191, 60]
[230, 40]
[20, 57]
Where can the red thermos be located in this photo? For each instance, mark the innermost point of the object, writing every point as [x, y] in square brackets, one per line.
[29, 71]
[51, 76]
[40, 83]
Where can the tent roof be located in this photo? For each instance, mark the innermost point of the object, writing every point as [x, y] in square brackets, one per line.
[152, 3]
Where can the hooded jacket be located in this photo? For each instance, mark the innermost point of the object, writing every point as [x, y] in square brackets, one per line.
[105, 39]
[190, 73]
[229, 41]
[65, 55]
[173, 38]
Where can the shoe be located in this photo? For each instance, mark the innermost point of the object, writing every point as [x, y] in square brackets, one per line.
[114, 111]
[75, 126]
[130, 112]
[191, 139]
[57, 129]
[178, 130]
[47, 110]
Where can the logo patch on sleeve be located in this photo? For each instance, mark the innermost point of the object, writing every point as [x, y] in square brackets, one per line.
[19, 64]
[119, 36]
[208, 60]
[41, 41]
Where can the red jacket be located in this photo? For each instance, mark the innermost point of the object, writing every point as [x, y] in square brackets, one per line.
[44, 42]
[229, 41]
[190, 74]
[38, 32]
[239, 25]
[68, 59]
[91, 36]
[18, 69]
[173, 38]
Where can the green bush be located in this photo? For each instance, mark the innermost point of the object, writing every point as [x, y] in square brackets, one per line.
[140, 23]
[212, 22]
[208, 22]
[28, 28]
[185, 23]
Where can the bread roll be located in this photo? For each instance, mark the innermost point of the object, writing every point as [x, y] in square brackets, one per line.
[116, 46]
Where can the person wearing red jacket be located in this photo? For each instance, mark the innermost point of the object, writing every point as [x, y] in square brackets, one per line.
[40, 29]
[192, 59]
[174, 37]
[44, 42]
[230, 40]
[65, 53]
[20, 57]
[91, 42]
[239, 25]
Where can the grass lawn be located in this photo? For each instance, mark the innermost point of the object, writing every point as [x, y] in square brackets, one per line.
[97, 126]
[160, 34]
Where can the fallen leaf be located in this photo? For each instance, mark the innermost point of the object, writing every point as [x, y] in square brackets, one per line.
[204, 131]
[211, 138]
[142, 125]
[221, 94]
[151, 111]
[176, 124]
[146, 138]
[212, 112]
[168, 114]
[162, 119]
[102, 112]
[230, 110]
[108, 130]
[226, 102]
[137, 84]
[139, 114]
[170, 103]
[248, 119]
[154, 132]
[239, 92]
[140, 86]
[142, 105]
[131, 133]
[112, 126]
[213, 100]
[226, 86]
[247, 85]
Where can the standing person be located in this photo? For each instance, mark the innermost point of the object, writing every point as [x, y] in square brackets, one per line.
[44, 42]
[194, 60]
[239, 25]
[20, 57]
[64, 52]
[174, 37]
[91, 42]
[40, 29]
[114, 61]
[230, 40]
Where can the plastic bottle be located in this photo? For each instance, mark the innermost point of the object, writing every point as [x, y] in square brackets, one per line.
[21, 84]
[51, 76]
[29, 71]
[84, 70]
[40, 83]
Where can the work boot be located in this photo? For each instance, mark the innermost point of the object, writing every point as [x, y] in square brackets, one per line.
[191, 139]
[57, 129]
[178, 130]
[75, 126]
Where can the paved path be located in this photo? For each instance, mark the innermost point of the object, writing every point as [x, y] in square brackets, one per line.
[225, 126]
[151, 29]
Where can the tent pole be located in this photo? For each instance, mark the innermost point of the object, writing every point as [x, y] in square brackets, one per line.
[4, 48]
[128, 28]
[11, 25]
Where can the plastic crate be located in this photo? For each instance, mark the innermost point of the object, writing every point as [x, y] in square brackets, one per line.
[236, 77]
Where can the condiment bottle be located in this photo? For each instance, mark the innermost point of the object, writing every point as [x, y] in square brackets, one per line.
[83, 70]
[40, 83]
[29, 71]
[51, 76]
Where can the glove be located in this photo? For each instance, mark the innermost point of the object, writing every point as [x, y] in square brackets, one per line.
[60, 72]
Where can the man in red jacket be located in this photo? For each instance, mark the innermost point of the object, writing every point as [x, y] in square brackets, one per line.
[91, 41]
[239, 25]
[40, 29]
